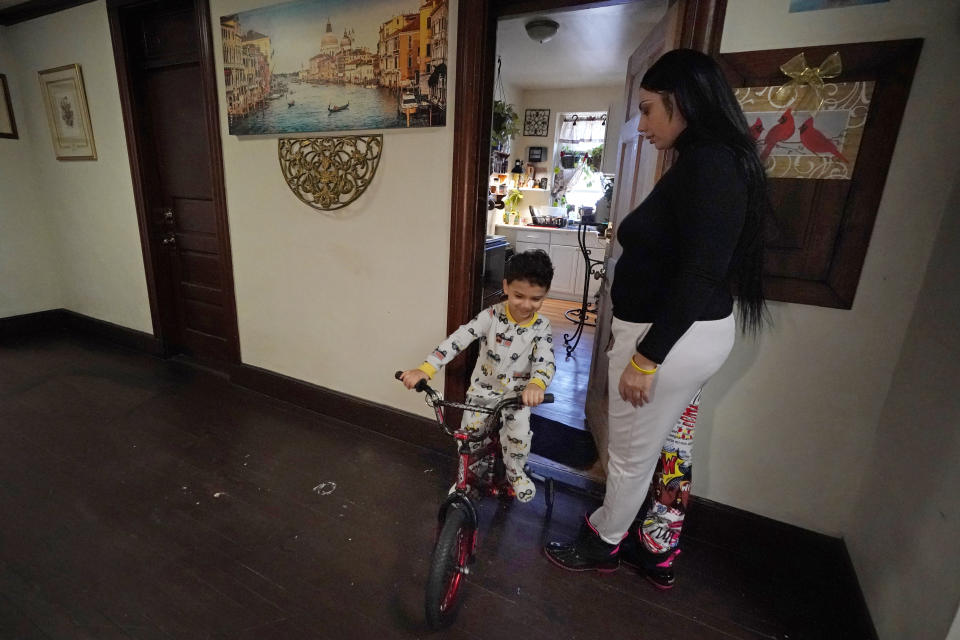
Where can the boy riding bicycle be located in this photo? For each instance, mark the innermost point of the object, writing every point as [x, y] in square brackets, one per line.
[516, 357]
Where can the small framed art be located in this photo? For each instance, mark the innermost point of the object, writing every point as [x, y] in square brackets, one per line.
[536, 122]
[67, 113]
[8, 125]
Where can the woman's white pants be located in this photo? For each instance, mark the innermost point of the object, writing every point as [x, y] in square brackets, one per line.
[636, 434]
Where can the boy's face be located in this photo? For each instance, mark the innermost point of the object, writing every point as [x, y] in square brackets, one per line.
[524, 299]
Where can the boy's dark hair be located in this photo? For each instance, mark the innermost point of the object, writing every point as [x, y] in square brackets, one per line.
[534, 266]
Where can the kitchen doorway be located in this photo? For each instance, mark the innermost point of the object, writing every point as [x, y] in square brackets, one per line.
[567, 93]
[698, 26]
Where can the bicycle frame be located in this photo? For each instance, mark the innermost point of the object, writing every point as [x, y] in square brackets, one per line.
[466, 479]
[457, 531]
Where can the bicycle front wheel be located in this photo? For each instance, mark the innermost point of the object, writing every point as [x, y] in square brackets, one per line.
[448, 568]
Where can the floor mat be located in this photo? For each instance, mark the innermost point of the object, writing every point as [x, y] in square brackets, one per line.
[560, 443]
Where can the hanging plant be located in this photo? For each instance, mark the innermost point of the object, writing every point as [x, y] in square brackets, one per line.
[505, 123]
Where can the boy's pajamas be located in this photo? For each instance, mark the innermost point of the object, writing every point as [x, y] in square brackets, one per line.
[511, 356]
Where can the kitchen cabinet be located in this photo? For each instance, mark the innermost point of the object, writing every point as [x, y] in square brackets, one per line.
[565, 278]
[564, 252]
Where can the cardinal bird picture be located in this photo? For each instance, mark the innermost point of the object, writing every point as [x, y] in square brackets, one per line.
[756, 129]
[814, 140]
[778, 133]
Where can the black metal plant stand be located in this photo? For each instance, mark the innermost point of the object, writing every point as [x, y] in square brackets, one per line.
[593, 268]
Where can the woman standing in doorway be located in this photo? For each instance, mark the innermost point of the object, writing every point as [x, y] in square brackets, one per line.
[698, 233]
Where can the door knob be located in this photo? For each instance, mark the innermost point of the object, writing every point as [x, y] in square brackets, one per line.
[169, 239]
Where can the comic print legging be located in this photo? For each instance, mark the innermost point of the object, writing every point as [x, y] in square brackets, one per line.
[640, 437]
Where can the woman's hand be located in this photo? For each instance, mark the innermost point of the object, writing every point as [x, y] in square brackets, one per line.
[634, 385]
[532, 395]
[411, 377]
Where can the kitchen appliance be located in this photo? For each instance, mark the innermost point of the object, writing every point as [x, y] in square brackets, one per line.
[495, 250]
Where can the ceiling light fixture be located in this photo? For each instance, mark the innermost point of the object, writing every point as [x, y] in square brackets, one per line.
[541, 29]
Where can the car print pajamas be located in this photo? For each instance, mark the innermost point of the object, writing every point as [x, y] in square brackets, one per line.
[511, 356]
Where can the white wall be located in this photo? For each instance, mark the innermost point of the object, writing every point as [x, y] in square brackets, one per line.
[954, 633]
[29, 279]
[794, 415]
[96, 244]
[845, 421]
[906, 523]
[342, 300]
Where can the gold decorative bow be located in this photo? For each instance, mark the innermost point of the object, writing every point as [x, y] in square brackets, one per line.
[800, 74]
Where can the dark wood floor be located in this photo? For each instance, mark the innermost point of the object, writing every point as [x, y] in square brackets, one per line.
[142, 498]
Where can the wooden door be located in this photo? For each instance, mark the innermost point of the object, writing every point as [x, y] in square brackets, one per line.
[172, 117]
[639, 166]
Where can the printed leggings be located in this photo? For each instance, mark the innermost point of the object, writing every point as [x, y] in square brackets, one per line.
[661, 517]
[642, 437]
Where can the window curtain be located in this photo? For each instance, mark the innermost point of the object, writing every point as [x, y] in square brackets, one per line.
[583, 128]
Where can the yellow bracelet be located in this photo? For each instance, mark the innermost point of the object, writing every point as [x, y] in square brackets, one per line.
[648, 372]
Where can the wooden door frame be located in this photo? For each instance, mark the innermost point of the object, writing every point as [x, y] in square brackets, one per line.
[476, 45]
[133, 130]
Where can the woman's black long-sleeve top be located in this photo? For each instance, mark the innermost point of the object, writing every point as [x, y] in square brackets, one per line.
[678, 245]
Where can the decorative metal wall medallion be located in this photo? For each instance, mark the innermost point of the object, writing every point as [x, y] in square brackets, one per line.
[331, 172]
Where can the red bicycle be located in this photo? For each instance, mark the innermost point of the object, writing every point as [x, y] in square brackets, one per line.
[456, 544]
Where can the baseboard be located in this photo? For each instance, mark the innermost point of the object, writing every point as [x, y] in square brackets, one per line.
[122, 336]
[31, 324]
[762, 539]
[386, 420]
[54, 320]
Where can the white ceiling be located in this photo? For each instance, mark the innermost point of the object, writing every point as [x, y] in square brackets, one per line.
[590, 49]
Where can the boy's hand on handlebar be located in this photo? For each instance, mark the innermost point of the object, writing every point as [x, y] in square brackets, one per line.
[411, 377]
[532, 395]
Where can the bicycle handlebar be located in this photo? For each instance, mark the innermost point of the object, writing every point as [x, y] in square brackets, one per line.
[422, 386]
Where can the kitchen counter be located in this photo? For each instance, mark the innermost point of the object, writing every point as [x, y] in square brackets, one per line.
[569, 265]
[593, 238]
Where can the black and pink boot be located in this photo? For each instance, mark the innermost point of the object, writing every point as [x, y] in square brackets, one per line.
[588, 552]
[656, 567]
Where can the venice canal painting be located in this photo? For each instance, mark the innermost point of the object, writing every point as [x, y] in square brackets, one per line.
[336, 65]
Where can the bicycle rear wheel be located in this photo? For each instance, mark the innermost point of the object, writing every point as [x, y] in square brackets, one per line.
[448, 568]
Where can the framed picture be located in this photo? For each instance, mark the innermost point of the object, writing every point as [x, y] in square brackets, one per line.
[826, 157]
[8, 126]
[808, 137]
[67, 113]
[313, 66]
[536, 122]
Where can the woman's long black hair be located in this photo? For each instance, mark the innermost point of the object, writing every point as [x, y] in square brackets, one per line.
[706, 101]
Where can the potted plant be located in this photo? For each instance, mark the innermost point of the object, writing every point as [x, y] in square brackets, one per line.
[567, 158]
[596, 155]
[504, 125]
[512, 202]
